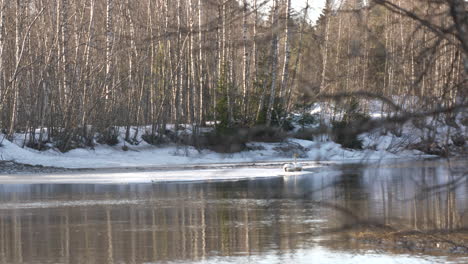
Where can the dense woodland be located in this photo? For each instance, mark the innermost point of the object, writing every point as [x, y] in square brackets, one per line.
[76, 68]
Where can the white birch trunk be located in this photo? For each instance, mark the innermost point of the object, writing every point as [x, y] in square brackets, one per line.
[338, 52]
[2, 47]
[254, 49]
[64, 50]
[325, 49]
[178, 86]
[15, 83]
[200, 66]
[192, 65]
[287, 54]
[244, 57]
[87, 62]
[274, 47]
[299, 56]
[109, 44]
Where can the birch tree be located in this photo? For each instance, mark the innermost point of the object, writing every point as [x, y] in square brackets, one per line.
[109, 45]
[287, 53]
[15, 83]
[245, 68]
[274, 63]
[3, 90]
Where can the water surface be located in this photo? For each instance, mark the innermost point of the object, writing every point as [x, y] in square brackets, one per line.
[295, 219]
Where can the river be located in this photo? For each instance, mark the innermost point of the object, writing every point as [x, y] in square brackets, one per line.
[290, 219]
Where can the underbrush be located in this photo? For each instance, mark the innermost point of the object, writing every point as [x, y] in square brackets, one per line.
[311, 133]
[64, 140]
[267, 134]
[442, 135]
[109, 137]
[155, 139]
[345, 132]
[231, 140]
[39, 145]
[291, 149]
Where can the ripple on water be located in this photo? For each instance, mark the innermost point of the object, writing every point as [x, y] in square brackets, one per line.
[58, 204]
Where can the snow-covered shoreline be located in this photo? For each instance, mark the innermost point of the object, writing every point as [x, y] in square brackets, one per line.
[146, 155]
[145, 163]
[378, 145]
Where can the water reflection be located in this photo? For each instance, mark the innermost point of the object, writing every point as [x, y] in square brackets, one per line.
[187, 222]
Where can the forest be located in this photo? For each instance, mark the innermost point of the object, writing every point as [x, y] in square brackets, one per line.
[71, 70]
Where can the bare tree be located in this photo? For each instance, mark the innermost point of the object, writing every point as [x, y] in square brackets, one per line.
[274, 62]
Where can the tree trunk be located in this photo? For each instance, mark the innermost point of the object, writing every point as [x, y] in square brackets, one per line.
[16, 82]
[109, 45]
[87, 80]
[178, 86]
[245, 55]
[2, 63]
[64, 51]
[274, 59]
[298, 57]
[337, 52]
[200, 66]
[192, 82]
[325, 49]
[254, 82]
[287, 54]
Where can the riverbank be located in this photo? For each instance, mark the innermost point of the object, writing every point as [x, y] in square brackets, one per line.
[312, 137]
[146, 155]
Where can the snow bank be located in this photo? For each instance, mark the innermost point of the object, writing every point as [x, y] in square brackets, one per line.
[377, 146]
[146, 155]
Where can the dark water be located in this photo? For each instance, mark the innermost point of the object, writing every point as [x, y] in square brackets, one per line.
[278, 220]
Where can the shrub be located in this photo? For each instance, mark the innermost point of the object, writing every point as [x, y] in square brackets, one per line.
[431, 148]
[154, 139]
[306, 119]
[290, 149]
[311, 133]
[110, 137]
[279, 119]
[464, 120]
[63, 139]
[38, 145]
[232, 139]
[222, 113]
[458, 140]
[344, 131]
[306, 134]
[255, 147]
[287, 124]
[342, 135]
[225, 140]
[266, 134]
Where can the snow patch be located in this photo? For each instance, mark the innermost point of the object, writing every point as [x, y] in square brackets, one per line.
[145, 155]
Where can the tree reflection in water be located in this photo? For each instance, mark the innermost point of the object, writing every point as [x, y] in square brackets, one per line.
[191, 221]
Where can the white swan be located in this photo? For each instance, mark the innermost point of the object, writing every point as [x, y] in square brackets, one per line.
[291, 167]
